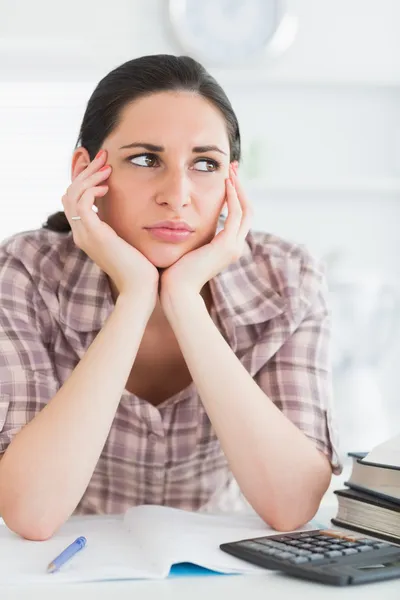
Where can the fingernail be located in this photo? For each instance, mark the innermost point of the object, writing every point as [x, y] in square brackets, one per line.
[100, 153]
[104, 168]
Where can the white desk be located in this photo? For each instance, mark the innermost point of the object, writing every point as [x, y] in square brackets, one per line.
[270, 586]
[232, 587]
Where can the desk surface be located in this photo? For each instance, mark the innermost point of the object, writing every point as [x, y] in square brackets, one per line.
[234, 587]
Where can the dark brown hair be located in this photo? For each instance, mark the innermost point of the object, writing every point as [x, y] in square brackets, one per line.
[137, 78]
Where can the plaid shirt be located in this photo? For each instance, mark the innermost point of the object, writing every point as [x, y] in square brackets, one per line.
[270, 306]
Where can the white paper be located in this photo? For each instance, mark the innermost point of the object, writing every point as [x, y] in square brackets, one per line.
[195, 537]
[110, 553]
[143, 544]
[387, 453]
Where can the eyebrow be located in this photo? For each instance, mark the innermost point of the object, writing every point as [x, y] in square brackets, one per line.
[154, 148]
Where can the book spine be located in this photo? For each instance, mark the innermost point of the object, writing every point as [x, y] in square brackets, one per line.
[374, 493]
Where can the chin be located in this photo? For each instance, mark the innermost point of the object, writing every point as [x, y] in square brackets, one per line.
[164, 258]
[165, 255]
[164, 264]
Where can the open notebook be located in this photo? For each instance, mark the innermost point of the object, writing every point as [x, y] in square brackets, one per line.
[143, 544]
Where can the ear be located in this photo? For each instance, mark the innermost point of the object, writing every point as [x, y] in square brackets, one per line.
[80, 160]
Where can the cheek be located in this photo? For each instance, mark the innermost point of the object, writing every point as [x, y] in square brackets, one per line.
[119, 205]
[214, 183]
[210, 190]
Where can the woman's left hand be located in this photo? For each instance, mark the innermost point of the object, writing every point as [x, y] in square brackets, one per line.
[191, 272]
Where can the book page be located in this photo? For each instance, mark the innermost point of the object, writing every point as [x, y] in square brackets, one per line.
[387, 453]
[110, 553]
[144, 544]
[173, 536]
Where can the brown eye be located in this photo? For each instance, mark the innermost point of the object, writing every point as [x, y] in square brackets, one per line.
[206, 165]
[144, 160]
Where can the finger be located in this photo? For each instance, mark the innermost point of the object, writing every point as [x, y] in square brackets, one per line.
[98, 161]
[245, 225]
[239, 189]
[85, 205]
[78, 186]
[75, 190]
[247, 209]
[235, 166]
[84, 208]
[234, 217]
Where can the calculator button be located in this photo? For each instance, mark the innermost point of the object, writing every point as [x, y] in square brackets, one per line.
[284, 555]
[265, 543]
[334, 547]
[298, 560]
[300, 552]
[296, 551]
[294, 542]
[252, 546]
[364, 548]
[283, 547]
[270, 551]
[381, 544]
[340, 535]
[349, 544]
[366, 541]
[333, 553]
[348, 551]
[316, 557]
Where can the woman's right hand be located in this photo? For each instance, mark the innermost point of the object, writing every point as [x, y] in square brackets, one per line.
[129, 269]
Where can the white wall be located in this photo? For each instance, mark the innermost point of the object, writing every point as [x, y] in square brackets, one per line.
[321, 126]
[338, 40]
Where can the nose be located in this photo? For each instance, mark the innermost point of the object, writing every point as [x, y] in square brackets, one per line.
[174, 190]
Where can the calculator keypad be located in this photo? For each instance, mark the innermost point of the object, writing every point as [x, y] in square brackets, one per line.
[320, 547]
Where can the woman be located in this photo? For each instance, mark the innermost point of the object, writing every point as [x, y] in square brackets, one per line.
[151, 353]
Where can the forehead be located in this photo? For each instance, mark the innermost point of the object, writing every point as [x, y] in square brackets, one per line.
[172, 117]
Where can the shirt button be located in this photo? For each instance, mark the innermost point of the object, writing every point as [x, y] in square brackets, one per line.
[152, 437]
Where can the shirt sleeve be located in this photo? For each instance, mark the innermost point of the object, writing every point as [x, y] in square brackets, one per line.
[27, 379]
[298, 377]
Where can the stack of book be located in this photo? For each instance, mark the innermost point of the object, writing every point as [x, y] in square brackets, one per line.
[370, 502]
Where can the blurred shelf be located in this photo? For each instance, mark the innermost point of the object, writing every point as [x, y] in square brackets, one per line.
[364, 185]
[262, 77]
[23, 93]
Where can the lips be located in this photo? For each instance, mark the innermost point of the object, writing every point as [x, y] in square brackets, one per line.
[173, 225]
[165, 234]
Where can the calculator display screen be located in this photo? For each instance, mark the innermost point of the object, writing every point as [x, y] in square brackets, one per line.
[380, 566]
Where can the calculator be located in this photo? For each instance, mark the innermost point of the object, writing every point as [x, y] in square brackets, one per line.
[323, 555]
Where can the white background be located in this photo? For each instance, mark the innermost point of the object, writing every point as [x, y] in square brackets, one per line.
[320, 128]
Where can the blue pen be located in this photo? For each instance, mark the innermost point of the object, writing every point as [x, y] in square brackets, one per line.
[66, 554]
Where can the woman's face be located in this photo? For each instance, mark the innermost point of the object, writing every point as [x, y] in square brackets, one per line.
[175, 170]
